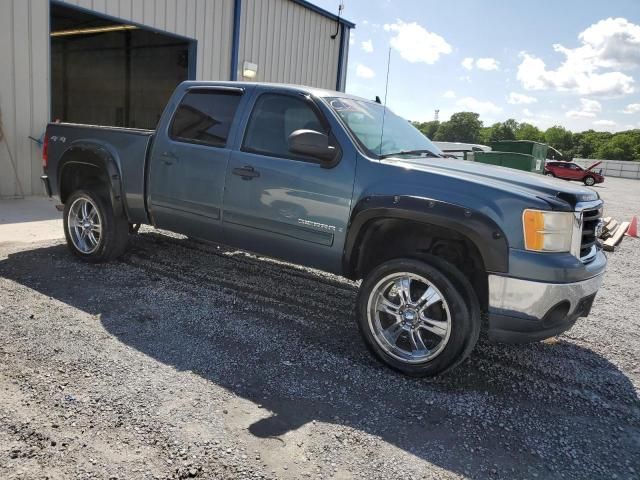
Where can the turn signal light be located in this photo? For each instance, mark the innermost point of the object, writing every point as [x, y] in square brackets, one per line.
[547, 231]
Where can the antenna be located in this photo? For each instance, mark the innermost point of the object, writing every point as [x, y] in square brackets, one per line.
[384, 111]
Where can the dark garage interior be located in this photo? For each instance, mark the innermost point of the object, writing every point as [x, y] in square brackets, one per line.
[109, 73]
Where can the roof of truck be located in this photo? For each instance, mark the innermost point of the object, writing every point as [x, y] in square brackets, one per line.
[318, 92]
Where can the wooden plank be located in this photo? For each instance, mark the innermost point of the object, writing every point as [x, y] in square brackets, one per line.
[609, 233]
[610, 227]
[610, 244]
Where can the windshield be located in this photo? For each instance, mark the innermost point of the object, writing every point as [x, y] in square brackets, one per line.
[365, 120]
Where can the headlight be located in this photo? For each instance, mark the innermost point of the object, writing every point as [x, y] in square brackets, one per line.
[547, 231]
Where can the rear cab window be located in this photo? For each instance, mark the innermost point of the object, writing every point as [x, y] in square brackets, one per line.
[205, 116]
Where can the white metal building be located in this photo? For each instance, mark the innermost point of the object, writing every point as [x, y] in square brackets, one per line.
[115, 62]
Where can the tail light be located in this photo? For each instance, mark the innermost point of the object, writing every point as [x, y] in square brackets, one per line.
[45, 151]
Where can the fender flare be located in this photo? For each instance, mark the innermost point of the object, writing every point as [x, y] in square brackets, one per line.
[98, 156]
[480, 229]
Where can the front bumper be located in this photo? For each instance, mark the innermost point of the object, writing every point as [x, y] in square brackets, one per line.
[522, 311]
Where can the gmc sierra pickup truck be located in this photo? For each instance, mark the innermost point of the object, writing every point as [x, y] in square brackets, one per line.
[444, 247]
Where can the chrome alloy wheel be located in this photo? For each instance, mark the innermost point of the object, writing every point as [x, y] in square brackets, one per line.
[85, 225]
[409, 317]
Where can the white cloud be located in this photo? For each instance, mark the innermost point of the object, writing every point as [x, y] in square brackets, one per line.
[467, 63]
[487, 64]
[614, 42]
[515, 98]
[588, 109]
[606, 45]
[473, 105]
[632, 108]
[449, 94]
[605, 123]
[416, 44]
[363, 71]
[528, 113]
[367, 46]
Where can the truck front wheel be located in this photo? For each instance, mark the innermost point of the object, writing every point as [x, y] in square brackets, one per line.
[418, 317]
[92, 229]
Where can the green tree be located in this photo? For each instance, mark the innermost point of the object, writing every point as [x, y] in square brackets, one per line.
[485, 135]
[428, 129]
[586, 143]
[468, 128]
[526, 131]
[619, 147]
[461, 127]
[559, 138]
[503, 131]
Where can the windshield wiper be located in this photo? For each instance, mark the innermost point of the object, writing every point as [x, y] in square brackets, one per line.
[411, 152]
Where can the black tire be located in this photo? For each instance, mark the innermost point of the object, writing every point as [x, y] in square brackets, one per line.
[114, 237]
[463, 306]
[550, 174]
[589, 181]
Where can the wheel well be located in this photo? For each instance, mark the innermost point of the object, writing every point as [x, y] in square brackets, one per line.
[76, 175]
[386, 239]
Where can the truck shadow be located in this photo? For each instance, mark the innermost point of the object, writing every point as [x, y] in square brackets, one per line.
[284, 338]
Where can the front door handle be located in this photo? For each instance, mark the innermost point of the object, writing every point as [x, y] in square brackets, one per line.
[247, 172]
[168, 157]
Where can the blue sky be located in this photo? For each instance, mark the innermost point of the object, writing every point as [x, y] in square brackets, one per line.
[568, 62]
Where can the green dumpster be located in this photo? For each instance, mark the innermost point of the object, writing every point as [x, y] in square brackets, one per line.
[519, 154]
[538, 150]
[519, 161]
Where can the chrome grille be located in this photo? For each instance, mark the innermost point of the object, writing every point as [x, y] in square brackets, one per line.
[590, 220]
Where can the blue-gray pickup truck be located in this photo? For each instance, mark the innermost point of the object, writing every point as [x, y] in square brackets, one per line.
[444, 247]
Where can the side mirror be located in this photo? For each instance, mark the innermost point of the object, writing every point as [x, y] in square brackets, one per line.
[311, 143]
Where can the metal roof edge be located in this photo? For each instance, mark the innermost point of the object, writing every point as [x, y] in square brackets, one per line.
[325, 13]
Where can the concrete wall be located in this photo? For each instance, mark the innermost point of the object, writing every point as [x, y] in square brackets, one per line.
[613, 168]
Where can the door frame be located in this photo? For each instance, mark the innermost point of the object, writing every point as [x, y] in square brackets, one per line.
[192, 42]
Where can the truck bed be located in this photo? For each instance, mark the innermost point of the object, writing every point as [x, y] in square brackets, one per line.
[128, 146]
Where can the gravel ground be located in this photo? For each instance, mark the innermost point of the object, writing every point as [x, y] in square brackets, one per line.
[189, 360]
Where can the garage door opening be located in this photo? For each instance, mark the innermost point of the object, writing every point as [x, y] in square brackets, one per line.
[105, 72]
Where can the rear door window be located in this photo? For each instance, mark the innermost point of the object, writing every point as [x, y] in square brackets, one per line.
[204, 116]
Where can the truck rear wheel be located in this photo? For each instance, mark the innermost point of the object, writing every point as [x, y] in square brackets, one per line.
[419, 317]
[92, 230]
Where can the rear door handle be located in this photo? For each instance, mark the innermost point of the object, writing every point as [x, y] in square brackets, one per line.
[247, 172]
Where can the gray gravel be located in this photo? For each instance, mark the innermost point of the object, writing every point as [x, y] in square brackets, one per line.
[188, 360]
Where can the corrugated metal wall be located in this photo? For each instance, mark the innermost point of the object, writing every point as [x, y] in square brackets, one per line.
[289, 43]
[24, 91]
[208, 22]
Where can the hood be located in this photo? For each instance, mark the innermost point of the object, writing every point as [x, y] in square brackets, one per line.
[555, 192]
[594, 165]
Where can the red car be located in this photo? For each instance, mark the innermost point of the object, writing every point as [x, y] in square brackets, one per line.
[573, 171]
